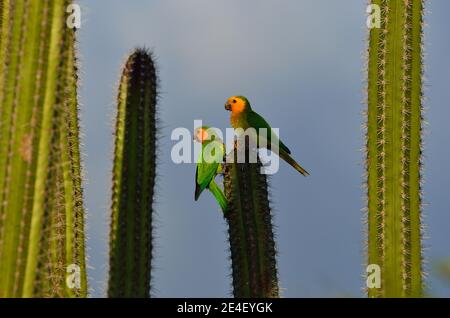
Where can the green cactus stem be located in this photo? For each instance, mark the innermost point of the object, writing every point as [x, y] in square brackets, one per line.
[394, 139]
[41, 209]
[133, 179]
[250, 231]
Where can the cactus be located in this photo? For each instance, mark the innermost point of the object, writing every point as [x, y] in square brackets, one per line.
[250, 230]
[133, 179]
[394, 148]
[41, 211]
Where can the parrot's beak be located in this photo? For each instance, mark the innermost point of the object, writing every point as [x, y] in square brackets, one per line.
[228, 106]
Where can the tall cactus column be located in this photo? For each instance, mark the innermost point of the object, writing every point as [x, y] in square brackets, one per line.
[41, 210]
[133, 179]
[250, 231]
[394, 148]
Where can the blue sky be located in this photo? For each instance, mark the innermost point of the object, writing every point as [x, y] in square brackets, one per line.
[301, 65]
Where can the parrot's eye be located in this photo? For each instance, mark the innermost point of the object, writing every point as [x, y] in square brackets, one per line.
[234, 101]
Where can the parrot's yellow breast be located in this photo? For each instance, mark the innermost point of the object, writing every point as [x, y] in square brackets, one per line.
[238, 120]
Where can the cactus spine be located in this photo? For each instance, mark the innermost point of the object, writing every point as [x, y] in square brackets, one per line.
[41, 211]
[250, 231]
[394, 148]
[133, 179]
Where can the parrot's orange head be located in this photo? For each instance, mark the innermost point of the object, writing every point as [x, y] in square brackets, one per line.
[237, 104]
[204, 133]
[201, 134]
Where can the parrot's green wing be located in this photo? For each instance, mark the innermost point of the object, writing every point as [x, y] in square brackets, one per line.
[258, 122]
[206, 171]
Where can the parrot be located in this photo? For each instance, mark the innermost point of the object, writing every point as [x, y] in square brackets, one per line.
[243, 116]
[209, 164]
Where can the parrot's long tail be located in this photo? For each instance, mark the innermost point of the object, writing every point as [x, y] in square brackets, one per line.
[218, 194]
[286, 157]
[198, 191]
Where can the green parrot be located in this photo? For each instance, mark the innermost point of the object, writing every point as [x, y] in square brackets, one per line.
[209, 164]
[242, 116]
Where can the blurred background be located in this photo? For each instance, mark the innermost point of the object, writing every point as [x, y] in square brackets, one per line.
[300, 62]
